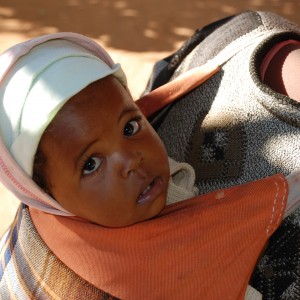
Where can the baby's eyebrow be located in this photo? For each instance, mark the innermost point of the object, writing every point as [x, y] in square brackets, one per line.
[126, 110]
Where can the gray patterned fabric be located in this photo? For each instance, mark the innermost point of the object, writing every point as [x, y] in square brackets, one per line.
[234, 129]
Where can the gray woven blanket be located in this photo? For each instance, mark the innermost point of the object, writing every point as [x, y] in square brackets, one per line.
[234, 129]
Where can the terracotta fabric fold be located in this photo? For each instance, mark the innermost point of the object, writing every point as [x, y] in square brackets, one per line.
[169, 92]
[204, 247]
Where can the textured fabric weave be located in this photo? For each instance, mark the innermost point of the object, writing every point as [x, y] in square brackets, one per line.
[204, 247]
[234, 129]
[182, 182]
[30, 270]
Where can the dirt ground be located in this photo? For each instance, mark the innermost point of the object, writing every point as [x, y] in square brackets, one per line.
[135, 32]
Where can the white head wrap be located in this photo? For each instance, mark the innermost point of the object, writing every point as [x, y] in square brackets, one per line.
[37, 78]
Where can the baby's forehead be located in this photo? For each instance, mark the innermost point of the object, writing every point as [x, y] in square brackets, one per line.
[99, 91]
[97, 98]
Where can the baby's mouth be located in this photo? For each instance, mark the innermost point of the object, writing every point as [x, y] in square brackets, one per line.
[147, 188]
[144, 196]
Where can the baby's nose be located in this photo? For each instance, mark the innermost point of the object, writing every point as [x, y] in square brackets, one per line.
[129, 162]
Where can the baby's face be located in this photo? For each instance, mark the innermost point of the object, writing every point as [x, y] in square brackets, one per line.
[105, 163]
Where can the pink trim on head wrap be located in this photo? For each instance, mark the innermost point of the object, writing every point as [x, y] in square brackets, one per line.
[10, 56]
[13, 177]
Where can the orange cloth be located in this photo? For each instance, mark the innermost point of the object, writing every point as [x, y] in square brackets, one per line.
[201, 248]
[169, 92]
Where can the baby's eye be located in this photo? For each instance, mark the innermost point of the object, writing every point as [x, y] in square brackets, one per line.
[132, 127]
[91, 165]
